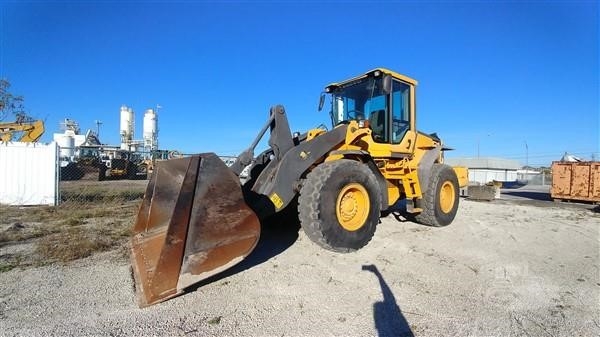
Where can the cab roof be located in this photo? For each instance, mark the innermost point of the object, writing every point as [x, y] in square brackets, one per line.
[370, 72]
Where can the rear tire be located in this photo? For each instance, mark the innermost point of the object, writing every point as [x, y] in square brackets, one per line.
[339, 205]
[440, 197]
[131, 173]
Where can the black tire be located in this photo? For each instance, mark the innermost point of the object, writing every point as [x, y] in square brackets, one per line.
[440, 197]
[101, 173]
[142, 172]
[340, 187]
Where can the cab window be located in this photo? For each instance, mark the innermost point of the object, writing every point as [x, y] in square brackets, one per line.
[400, 110]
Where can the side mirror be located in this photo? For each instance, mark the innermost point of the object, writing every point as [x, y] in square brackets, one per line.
[321, 101]
[387, 84]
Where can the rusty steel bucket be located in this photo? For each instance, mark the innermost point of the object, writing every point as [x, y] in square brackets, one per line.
[193, 223]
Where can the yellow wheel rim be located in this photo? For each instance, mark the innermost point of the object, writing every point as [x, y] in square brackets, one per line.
[352, 207]
[447, 197]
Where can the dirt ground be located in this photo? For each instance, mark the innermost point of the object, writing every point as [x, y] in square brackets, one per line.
[511, 267]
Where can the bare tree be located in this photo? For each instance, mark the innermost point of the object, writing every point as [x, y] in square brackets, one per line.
[10, 104]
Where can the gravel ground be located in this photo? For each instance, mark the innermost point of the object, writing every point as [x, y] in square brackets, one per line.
[503, 268]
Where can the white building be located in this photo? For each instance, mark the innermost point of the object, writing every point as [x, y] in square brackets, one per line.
[483, 170]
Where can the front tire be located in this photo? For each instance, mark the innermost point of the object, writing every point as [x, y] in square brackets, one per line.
[102, 173]
[142, 172]
[440, 197]
[339, 205]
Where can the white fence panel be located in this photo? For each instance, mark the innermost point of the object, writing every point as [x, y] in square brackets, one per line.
[28, 173]
[484, 176]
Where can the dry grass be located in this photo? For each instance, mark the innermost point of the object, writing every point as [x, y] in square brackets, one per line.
[101, 195]
[16, 233]
[11, 214]
[89, 220]
[71, 244]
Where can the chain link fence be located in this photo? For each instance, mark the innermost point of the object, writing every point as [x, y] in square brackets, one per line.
[541, 177]
[99, 173]
[93, 173]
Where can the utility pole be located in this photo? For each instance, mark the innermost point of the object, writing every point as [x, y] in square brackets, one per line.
[526, 156]
[479, 142]
[98, 123]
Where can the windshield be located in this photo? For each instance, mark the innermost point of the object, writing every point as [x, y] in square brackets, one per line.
[88, 152]
[357, 100]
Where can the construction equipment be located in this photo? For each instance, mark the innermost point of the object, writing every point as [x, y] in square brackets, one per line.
[29, 130]
[97, 163]
[123, 165]
[156, 156]
[197, 220]
[87, 165]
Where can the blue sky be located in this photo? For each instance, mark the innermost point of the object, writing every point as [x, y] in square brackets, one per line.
[493, 75]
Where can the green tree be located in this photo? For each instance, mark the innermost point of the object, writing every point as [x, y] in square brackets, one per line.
[10, 104]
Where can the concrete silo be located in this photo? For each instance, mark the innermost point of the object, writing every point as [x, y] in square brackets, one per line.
[150, 130]
[126, 127]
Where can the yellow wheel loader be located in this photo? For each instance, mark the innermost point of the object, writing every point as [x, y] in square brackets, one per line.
[197, 220]
[25, 130]
[124, 165]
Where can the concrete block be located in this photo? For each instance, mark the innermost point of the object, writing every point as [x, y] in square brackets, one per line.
[483, 192]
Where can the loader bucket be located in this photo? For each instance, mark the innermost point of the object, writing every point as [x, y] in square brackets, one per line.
[193, 223]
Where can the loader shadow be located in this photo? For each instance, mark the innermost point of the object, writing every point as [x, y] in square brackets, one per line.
[398, 211]
[533, 195]
[389, 320]
[277, 234]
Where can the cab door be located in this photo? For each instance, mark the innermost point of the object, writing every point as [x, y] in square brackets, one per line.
[402, 127]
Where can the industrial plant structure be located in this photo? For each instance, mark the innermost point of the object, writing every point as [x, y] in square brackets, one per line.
[87, 150]
[70, 139]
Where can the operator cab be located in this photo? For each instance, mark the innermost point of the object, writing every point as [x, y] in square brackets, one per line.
[380, 100]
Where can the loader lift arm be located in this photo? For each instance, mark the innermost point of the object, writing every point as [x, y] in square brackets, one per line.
[280, 141]
[275, 183]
